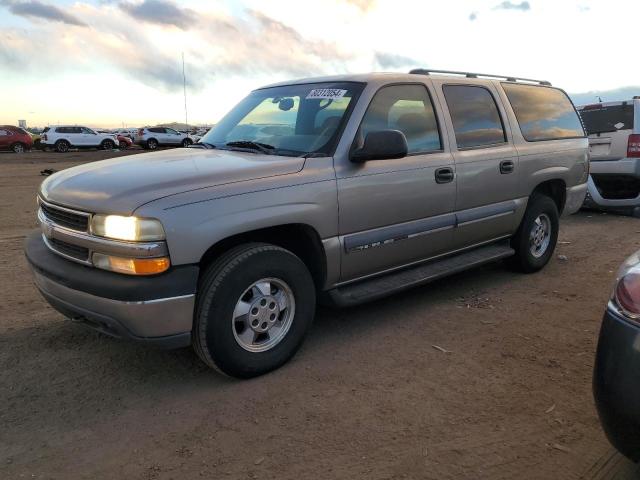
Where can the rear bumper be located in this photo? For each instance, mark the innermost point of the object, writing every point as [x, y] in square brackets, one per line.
[574, 199]
[625, 167]
[156, 310]
[616, 382]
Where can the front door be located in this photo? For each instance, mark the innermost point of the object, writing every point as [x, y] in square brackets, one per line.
[395, 212]
[486, 164]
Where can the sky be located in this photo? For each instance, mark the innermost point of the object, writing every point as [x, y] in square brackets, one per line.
[112, 63]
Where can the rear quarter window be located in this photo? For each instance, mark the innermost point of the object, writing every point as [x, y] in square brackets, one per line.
[543, 113]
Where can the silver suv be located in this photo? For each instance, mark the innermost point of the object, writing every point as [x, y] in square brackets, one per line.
[614, 140]
[340, 189]
[151, 138]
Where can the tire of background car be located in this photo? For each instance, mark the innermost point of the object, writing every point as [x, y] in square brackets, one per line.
[152, 144]
[537, 235]
[62, 146]
[122, 145]
[37, 144]
[186, 142]
[107, 145]
[254, 306]
[18, 147]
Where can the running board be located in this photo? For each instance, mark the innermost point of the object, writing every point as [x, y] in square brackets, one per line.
[378, 287]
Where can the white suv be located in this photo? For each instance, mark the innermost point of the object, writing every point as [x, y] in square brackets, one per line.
[614, 143]
[63, 137]
[153, 137]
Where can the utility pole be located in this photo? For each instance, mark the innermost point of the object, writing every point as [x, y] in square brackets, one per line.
[184, 88]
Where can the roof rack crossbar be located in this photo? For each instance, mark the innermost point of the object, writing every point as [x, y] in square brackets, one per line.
[428, 71]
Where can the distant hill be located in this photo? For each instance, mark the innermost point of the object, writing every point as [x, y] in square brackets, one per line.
[181, 126]
[623, 93]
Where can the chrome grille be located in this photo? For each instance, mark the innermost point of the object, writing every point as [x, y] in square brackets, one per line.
[65, 218]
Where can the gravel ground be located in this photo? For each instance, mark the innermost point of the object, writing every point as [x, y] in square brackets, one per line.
[485, 375]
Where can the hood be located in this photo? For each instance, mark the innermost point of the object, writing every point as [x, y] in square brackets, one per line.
[123, 184]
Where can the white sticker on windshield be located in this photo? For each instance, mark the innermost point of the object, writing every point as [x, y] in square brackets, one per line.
[326, 93]
[619, 125]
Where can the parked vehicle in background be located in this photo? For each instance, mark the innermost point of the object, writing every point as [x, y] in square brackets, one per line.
[353, 188]
[127, 132]
[154, 137]
[616, 377]
[614, 141]
[124, 142]
[64, 137]
[15, 139]
[36, 138]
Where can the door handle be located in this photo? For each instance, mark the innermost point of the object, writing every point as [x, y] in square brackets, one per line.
[444, 175]
[507, 166]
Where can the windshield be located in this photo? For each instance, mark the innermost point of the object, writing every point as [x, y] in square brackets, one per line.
[292, 120]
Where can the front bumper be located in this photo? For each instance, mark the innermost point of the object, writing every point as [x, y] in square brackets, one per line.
[574, 199]
[157, 309]
[616, 382]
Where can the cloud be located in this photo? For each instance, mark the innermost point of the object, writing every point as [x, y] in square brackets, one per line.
[36, 9]
[364, 5]
[507, 5]
[473, 16]
[160, 12]
[391, 60]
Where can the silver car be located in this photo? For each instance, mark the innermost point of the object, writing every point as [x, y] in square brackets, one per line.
[614, 140]
[339, 189]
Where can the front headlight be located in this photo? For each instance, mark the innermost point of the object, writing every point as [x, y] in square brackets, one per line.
[127, 228]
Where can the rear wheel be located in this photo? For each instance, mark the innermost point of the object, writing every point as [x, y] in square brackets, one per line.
[255, 306]
[152, 144]
[18, 148]
[186, 142]
[62, 146]
[108, 145]
[536, 238]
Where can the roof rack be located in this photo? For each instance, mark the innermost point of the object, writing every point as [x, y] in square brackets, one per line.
[424, 71]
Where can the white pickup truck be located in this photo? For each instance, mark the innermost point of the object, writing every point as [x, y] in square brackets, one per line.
[614, 142]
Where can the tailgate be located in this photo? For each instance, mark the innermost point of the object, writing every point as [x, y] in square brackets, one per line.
[609, 146]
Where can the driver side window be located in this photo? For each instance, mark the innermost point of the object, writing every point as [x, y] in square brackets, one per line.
[407, 108]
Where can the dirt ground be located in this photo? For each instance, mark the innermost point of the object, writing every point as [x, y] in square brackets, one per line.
[485, 375]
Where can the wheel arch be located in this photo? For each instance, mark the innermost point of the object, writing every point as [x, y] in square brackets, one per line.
[556, 189]
[300, 239]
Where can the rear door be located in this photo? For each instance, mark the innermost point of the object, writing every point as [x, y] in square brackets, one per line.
[608, 126]
[486, 162]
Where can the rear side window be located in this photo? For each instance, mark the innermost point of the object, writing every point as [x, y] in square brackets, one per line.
[407, 108]
[607, 118]
[543, 113]
[475, 116]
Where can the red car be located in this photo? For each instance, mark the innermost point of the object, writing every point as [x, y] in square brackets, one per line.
[14, 139]
[124, 142]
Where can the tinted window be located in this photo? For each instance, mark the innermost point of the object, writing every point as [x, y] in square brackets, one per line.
[156, 130]
[407, 108]
[62, 130]
[475, 116]
[4, 133]
[87, 130]
[543, 113]
[607, 118]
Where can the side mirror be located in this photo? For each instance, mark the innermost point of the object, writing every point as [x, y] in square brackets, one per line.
[381, 145]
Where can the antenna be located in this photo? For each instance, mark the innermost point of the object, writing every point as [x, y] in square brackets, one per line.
[184, 88]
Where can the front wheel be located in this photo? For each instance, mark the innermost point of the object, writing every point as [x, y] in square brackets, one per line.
[536, 238]
[108, 145]
[186, 142]
[255, 306]
[62, 146]
[18, 148]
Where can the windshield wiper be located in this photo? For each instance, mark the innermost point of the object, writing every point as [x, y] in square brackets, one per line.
[259, 146]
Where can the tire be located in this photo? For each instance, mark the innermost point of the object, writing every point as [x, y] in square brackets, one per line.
[18, 148]
[107, 145]
[536, 238]
[62, 146]
[224, 339]
[123, 145]
[186, 142]
[152, 144]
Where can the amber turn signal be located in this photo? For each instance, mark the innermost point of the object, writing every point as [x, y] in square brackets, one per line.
[131, 266]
